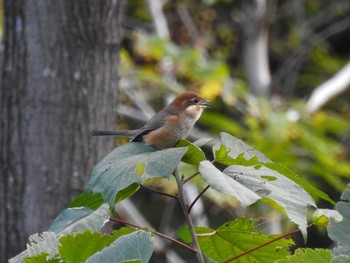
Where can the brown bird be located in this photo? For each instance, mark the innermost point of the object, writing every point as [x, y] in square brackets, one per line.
[169, 125]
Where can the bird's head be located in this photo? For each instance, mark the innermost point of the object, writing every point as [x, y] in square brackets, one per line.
[190, 103]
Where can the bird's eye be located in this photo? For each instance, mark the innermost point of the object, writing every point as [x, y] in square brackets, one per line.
[195, 100]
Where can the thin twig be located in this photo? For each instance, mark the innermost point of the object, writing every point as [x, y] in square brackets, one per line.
[158, 192]
[196, 199]
[182, 199]
[264, 244]
[190, 178]
[155, 232]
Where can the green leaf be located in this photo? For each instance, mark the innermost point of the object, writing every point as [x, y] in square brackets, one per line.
[315, 193]
[89, 200]
[339, 230]
[127, 192]
[135, 246]
[235, 237]
[79, 219]
[236, 149]
[42, 258]
[39, 245]
[249, 184]
[309, 255]
[194, 154]
[227, 185]
[117, 170]
[78, 247]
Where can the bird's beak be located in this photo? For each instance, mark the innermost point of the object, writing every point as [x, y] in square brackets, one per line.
[205, 103]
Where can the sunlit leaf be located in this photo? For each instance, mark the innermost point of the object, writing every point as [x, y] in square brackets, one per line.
[237, 148]
[117, 170]
[249, 184]
[234, 238]
[309, 255]
[225, 184]
[78, 247]
[40, 246]
[135, 246]
[80, 218]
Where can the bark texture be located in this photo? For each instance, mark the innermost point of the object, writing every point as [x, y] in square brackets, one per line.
[59, 81]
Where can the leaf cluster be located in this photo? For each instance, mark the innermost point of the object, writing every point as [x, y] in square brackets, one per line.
[249, 176]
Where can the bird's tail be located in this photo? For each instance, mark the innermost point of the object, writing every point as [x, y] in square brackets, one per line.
[126, 133]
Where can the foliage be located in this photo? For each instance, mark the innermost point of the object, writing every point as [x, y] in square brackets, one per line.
[305, 49]
[236, 237]
[75, 235]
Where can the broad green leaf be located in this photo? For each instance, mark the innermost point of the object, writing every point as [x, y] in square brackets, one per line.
[236, 148]
[227, 185]
[251, 183]
[287, 194]
[315, 193]
[309, 255]
[127, 192]
[234, 151]
[236, 237]
[135, 246]
[79, 246]
[339, 230]
[39, 244]
[79, 219]
[89, 200]
[194, 154]
[117, 170]
[42, 258]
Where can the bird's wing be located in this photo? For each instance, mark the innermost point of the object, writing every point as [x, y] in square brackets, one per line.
[154, 123]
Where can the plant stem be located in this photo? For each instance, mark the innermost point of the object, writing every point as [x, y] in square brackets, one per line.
[195, 200]
[263, 245]
[155, 232]
[182, 199]
[158, 192]
[190, 178]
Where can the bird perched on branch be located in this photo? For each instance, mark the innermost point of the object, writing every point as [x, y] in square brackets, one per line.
[169, 125]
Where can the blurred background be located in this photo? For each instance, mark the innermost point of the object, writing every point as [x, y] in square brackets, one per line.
[277, 73]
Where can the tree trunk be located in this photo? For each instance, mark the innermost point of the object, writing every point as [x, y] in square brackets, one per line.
[59, 82]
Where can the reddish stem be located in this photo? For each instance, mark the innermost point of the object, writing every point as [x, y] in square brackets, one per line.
[155, 232]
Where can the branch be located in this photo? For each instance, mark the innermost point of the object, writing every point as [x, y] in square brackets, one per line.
[190, 178]
[195, 200]
[187, 216]
[155, 232]
[329, 89]
[158, 192]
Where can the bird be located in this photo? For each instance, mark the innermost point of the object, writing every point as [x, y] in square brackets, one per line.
[169, 125]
